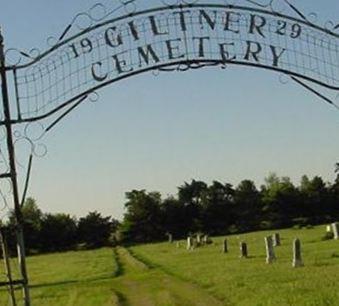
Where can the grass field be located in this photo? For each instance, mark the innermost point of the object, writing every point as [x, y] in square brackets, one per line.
[164, 275]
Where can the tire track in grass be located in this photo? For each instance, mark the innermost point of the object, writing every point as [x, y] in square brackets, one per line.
[118, 270]
[118, 299]
[129, 262]
[177, 276]
[142, 284]
[132, 280]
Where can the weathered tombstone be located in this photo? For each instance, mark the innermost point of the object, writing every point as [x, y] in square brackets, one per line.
[276, 240]
[335, 228]
[270, 256]
[178, 245]
[205, 239]
[297, 259]
[199, 239]
[243, 250]
[189, 243]
[224, 246]
[170, 238]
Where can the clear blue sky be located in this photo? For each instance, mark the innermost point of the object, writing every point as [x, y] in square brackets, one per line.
[157, 132]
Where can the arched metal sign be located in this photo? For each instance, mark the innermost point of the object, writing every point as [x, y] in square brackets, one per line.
[174, 37]
[140, 36]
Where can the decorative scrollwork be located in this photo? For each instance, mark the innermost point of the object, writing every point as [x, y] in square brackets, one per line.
[183, 67]
[29, 139]
[100, 12]
[82, 21]
[94, 96]
[97, 13]
[76, 65]
[78, 38]
[15, 56]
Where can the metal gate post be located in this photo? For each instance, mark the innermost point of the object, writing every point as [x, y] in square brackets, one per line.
[13, 175]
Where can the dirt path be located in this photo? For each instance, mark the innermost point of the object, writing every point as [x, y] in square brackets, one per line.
[140, 285]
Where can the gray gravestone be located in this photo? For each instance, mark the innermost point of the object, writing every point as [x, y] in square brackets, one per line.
[189, 243]
[243, 250]
[335, 229]
[170, 238]
[205, 239]
[297, 259]
[276, 240]
[270, 256]
[224, 246]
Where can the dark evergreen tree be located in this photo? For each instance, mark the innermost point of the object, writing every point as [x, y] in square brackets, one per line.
[143, 220]
[190, 195]
[217, 208]
[95, 230]
[58, 232]
[247, 206]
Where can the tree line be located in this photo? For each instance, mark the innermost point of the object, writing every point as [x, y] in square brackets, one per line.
[46, 232]
[215, 209]
[220, 208]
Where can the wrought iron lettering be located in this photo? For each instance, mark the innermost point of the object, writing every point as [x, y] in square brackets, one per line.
[191, 36]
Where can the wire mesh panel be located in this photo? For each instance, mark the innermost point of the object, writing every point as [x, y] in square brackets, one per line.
[175, 37]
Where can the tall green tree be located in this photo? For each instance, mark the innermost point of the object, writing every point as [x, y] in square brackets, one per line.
[95, 230]
[174, 222]
[217, 208]
[143, 220]
[336, 170]
[58, 232]
[279, 199]
[247, 206]
[316, 199]
[191, 195]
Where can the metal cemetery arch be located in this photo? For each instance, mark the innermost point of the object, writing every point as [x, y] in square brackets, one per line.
[176, 36]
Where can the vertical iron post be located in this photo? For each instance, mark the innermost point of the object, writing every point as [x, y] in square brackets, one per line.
[13, 174]
[8, 270]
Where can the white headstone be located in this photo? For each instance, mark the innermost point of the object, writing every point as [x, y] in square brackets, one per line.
[189, 243]
[205, 239]
[335, 228]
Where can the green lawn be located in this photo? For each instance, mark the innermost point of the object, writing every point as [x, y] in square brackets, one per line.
[164, 275]
[72, 278]
[251, 281]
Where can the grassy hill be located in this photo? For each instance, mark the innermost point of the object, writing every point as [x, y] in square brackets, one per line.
[163, 274]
